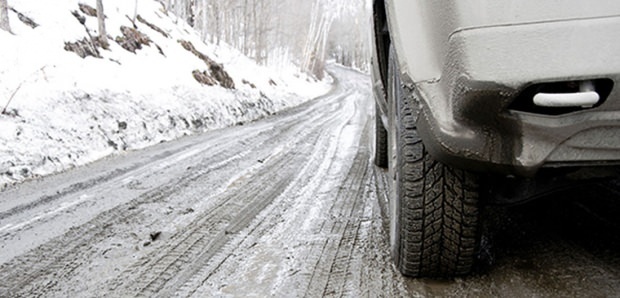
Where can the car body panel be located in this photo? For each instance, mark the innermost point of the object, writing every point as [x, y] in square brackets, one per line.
[428, 25]
[467, 61]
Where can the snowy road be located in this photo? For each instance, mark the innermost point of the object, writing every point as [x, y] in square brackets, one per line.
[287, 206]
[281, 206]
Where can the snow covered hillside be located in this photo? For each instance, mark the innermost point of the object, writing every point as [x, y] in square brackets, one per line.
[63, 110]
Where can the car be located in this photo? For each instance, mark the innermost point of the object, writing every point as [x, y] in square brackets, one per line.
[484, 102]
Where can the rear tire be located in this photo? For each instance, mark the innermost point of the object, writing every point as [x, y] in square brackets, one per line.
[434, 207]
[381, 141]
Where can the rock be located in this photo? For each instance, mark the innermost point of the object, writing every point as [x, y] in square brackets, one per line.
[248, 83]
[150, 25]
[88, 10]
[83, 48]
[155, 236]
[79, 17]
[203, 78]
[132, 39]
[24, 19]
[216, 70]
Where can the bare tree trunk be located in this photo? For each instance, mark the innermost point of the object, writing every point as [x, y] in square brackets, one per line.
[219, 14]
[205, 20]
[246, 27]
[103, 36]
[304, 32]
[314, 37]
[135, 11]
[4, 16]
[262, 51]
[256, 29]
[189, 13]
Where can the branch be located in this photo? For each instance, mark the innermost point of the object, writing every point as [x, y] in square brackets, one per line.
[11, 98]
[19, 87]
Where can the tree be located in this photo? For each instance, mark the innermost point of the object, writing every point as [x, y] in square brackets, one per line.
[349, 22]
[314, 53]
[135, 11]
[103, 36]
[4, 16]
[278, 32]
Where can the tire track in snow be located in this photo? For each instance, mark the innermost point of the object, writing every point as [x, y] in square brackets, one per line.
[33, 267]
[286, 199]
[211, 233]
[307, 181]
[291, 252]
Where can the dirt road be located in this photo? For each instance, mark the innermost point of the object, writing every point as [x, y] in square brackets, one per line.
[287, 206]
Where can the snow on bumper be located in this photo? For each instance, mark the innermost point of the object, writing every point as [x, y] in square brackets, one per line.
[466, 119]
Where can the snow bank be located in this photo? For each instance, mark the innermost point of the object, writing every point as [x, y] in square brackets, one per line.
[67, 111]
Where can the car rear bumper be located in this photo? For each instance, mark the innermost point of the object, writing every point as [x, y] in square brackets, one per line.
[467, 118]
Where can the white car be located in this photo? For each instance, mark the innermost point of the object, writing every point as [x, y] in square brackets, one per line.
[481, 100]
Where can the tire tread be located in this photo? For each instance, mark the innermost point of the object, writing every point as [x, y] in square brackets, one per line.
[381, 141]
[439, 208]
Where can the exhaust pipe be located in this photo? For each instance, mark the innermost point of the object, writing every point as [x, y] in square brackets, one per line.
[587, 97]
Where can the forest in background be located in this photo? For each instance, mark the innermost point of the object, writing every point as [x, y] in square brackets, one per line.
[276, 32]
[273, 32]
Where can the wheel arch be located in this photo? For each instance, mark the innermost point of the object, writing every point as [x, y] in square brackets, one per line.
[382, 39]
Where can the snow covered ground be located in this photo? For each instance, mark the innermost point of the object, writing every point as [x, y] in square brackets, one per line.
[65, 111]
